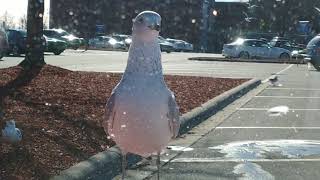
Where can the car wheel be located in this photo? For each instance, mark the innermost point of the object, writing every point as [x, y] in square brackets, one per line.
[57, 52]
[168, 51]
[284, 56]
[1, 54]
[244, 55]
[16, 51]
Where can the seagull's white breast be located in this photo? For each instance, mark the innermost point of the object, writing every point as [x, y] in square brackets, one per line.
[140, 123]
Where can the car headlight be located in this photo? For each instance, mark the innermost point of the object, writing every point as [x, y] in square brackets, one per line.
[112, 41]
[128, 41]
[295, 52]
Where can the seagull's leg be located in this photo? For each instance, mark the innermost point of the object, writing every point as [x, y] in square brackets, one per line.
[158, 166]
[124, 165]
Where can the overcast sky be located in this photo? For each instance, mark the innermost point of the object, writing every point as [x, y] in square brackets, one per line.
[17, 8]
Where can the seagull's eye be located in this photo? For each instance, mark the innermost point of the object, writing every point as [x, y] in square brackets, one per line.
[140, 21]
[155, 27]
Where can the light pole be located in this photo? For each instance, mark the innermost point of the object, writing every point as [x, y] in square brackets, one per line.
[206, 5]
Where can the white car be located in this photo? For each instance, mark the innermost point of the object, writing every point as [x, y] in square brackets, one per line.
[252, 48]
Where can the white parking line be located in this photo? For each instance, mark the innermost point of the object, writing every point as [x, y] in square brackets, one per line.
[266, 109]
[302, 89]
[287, 97]
[213, 160]
[293, 128]
[283, 70]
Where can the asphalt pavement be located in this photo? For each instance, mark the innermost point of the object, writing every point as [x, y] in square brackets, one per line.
[173, 63]
[255, 142]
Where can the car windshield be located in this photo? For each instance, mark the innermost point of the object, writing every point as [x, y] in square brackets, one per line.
[273, 43]
[119, 38]
[23, 33]
[62, 32]
[160, 89]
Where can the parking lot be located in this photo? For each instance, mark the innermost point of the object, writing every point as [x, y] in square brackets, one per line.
[253, 143]
[173, 63]
[250, 142]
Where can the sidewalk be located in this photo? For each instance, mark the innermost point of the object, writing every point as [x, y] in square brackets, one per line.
[252, 144]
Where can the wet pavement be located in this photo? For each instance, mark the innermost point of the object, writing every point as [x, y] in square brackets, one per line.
[253, 143]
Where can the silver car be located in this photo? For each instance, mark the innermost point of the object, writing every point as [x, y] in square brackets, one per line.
[106, 42]
[252, 48]
[180, 45]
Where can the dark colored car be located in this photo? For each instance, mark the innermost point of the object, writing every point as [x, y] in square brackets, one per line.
[3, 43]
[313, 52]
[73, 41]
[17, 41]
[55, 46]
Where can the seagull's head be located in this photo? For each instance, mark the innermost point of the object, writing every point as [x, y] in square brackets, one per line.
[146, 26]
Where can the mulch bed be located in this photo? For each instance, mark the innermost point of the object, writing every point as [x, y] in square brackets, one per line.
[59, 112]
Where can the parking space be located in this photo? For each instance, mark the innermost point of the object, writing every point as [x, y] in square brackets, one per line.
[254, 143]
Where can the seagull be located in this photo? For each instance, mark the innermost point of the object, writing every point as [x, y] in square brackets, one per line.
[10, 133]
[273, 80]
[142, 115]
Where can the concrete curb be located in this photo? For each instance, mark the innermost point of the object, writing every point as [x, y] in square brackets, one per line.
[199, 114]
[107, 164]
[291, 61]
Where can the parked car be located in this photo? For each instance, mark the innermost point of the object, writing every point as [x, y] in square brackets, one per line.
[106, 42]
[17, 41]
[3, 43]
[253, 48]
[313, 52]
[126, 39]
[55, 46]
[165, 45]
[73, 41]
[180, 45]
[299, 54]
[285, 44]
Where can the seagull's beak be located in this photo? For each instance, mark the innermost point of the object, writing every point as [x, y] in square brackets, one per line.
[155, 27]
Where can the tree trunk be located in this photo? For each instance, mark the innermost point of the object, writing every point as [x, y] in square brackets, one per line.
[35, 41]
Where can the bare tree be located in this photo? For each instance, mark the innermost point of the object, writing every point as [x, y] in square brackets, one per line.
[35, 41]
[23, 22]
[7, 20]
[46, 22]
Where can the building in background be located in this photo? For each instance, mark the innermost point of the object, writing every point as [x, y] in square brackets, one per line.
[182, 19]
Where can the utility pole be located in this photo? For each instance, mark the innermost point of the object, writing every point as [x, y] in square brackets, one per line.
[206, 6]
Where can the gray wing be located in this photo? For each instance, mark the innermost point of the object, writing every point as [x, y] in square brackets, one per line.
[108, 119]
[173, 116]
